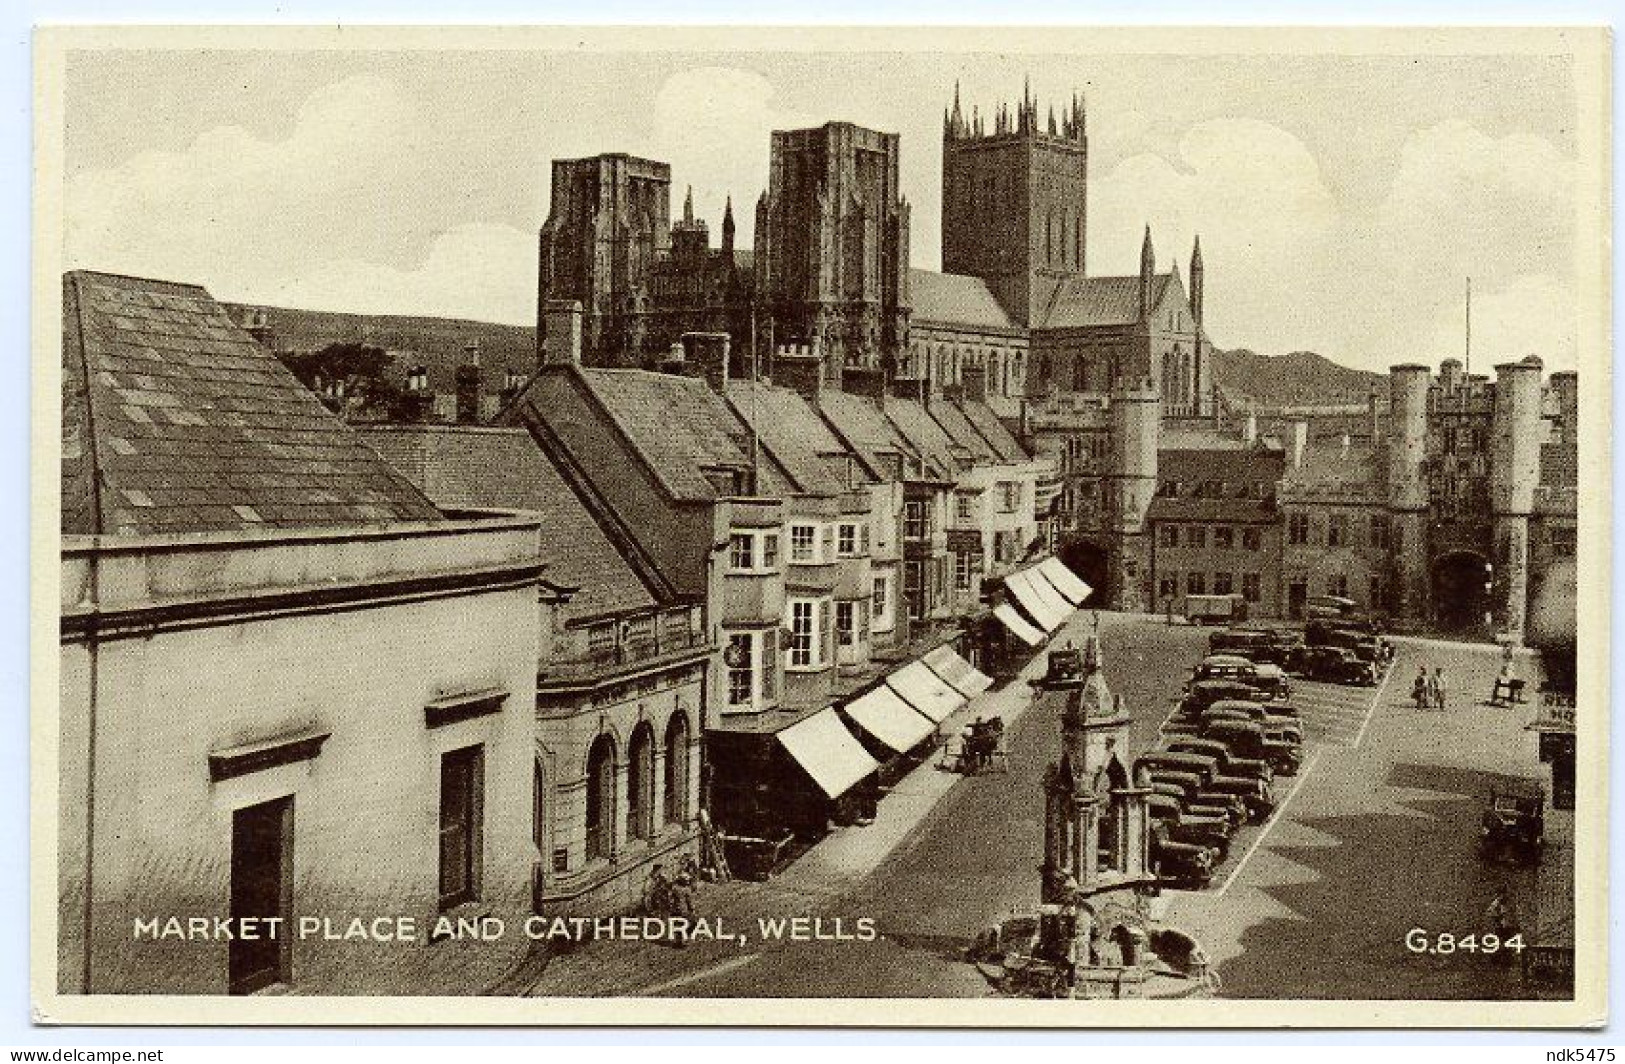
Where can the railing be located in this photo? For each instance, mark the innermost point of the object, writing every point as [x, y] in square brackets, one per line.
[628, 653]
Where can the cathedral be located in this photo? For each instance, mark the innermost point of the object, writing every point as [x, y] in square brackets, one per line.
[1012, 310]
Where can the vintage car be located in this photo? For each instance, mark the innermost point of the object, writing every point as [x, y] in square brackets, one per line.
[1331, 606]
[1250, 643]
[1231, 762]
[1334, 665]
[1514, 824]
[1224, 667]
[1181, 864]
[1250, 740]
[1215, 609]
[1256, 793]
[1271, 683]
[1194, 828]
[1280, 722]
[1232, 809]
[1203, 693]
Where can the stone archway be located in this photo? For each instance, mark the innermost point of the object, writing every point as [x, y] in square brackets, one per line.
[1459, 596]
[1092, 563]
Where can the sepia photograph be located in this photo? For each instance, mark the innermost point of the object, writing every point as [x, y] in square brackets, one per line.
[906, 527]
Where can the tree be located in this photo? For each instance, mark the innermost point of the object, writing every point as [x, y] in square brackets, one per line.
[350, 379]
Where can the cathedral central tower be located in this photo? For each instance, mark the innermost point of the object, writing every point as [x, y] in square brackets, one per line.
[1014, 200]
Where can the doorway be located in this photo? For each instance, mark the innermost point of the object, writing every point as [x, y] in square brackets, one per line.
[1460, 600]
[261, 888]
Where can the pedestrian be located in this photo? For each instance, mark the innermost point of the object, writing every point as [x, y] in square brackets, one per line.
[1502, 917]
[1421, 689]
[1439, 692]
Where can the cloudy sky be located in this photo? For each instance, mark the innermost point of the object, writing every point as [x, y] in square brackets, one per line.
[1341, 201]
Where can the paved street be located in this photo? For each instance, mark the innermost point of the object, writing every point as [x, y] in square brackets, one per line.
[1374, 837]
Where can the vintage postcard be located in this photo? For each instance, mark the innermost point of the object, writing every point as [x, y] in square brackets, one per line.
[1035, 527]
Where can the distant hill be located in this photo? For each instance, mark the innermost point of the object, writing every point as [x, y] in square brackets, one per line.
[1246, 378]
[438, 344]
[1299, 379]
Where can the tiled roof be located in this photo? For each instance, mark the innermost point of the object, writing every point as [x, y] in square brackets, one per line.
[1242, 473]
[1232, 465]
[1233, 511]
[680, 427]
[860, 422]
[1085, 301]
[954, 299]
[926, 436]
[992, 429]
[175, 420]
[791, 430]
[506, 469]
[958, 426]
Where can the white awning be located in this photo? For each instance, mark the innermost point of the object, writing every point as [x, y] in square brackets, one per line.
[925, 691]
[1050, 593]
[1037, 606]
[883, 714]
[1065, 580]
[961, 675]
[1018, 624]
[832, 756]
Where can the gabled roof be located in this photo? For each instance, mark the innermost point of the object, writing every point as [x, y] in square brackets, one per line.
[175, 420]
[680, 427]
[926, 437]
[1080, 302]
[1332, 466]
[793, 433]
[958, 426]
[992, 429]
[954, 299]
[506, 468]
[859, 421]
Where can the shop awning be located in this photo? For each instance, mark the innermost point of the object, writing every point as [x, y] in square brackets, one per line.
[1018, 624]
[960, 674]
[832, 756]
[1037, 606]
[1065, 580]
[1050, 593]
[925, 691]
[883, 714]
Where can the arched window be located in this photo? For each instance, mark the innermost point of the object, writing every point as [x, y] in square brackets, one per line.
[640, 783]
[677, 768]
[601, 798]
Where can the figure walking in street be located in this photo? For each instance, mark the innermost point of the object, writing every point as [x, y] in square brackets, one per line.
[1501, 916]
[1439, 691]
[1421, 689]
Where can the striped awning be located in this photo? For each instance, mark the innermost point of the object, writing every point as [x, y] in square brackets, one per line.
[1039, 607]
[1017, 624]
[960, 674]
[829, 753]
[925, 691]
[883, 714]
[1065, 580]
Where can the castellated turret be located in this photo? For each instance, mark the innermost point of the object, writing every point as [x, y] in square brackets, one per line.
[1517, 433]
[1407, 484]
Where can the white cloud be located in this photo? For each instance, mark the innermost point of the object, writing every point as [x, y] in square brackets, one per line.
[230, 205]
[484, 272]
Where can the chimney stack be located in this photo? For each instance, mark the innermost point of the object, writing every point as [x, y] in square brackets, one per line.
[1300, 439]
[797, 369]
[674, 361]
[973, 381]
[708, 356]
[1249, 428]
[867, 381]
[561, 333]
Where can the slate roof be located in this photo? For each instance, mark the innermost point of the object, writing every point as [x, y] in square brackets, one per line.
[958, 426]
[681, 428]
[461, 467]
[926, 436]
[1235, 469]
[859, 421]
[954, 299]
[1329, 466]
[992, 429]
[1086, 301]
[791, 430]
[175, 420]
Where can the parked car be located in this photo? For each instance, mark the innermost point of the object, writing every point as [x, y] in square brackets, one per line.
[1250, 740]
[1188, 827]
[1228, 806]
[1271, 682]
[1281, 728]
[1181, 863]
[1231, 762]
[1250, 643]
[1334, 665]
[1330, 606]
[1256, 793]
[1203, 693]
[1281, 716]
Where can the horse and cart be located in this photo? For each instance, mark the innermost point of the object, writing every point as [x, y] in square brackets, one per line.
[981, 748]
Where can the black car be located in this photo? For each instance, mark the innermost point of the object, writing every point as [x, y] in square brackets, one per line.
[1334, 665]
[1231, 762]
[1181, 864]
[1194, 828]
